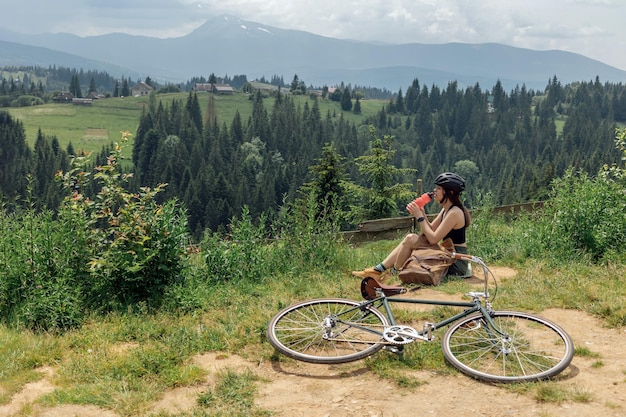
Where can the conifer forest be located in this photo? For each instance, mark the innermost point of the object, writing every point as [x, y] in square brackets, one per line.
[509, 146]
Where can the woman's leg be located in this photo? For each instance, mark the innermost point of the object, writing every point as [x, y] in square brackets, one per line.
[395, 259]
[402, 252]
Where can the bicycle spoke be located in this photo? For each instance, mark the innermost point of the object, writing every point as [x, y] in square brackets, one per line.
[520, 347]
[327, 331]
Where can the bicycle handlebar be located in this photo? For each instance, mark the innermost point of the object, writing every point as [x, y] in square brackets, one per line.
[479, 261]
[472, 258]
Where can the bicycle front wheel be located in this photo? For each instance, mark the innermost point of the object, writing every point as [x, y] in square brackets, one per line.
[327, 331]
[521, 347]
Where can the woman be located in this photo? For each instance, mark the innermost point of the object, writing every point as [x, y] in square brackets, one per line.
[451, 222]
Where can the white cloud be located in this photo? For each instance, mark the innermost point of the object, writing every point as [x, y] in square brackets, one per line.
[593, 28]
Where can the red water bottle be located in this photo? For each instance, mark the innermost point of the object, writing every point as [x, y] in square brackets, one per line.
[422, 200]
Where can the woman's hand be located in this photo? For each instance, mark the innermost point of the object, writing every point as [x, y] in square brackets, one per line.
[415, 210]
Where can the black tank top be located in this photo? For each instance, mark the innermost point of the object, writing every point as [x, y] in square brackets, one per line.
[457, 235]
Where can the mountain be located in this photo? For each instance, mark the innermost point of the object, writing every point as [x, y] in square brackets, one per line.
[16, 54]
[229, 46]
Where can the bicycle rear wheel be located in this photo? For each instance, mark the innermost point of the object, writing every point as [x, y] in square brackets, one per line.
[522, 347]
[327, 331]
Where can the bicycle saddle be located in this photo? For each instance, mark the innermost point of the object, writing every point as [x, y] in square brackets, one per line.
[369, 286]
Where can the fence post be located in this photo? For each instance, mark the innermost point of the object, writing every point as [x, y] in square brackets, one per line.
[419, 192]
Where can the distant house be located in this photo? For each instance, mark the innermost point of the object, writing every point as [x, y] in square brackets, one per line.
[203, 87]
[213, 88]
[82, 101]
[65, 97]
[223, 89]
[95, 96]
[141, 89]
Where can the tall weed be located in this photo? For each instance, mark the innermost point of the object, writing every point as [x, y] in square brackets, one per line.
[299, 243]
[308, 242]
[240, 255]
[41, 271]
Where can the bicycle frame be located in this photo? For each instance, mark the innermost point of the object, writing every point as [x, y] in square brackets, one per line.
[474, 306]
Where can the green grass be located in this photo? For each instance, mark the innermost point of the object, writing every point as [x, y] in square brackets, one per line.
[553, 392]
[585, 352]
[89, 128]
[123, 362]
[22, 353]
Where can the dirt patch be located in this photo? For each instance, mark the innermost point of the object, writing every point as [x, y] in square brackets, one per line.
[55, 110]
[96, 134]
[294, 389]
[30, 393]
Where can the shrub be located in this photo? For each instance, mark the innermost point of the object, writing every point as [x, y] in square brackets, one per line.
[585, 216]
[300, 243]
[26, 101]
[138, 244]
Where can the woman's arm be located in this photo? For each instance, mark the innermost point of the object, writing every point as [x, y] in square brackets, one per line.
[441, 226]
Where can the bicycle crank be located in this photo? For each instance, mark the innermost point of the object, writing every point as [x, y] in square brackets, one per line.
[401, 335]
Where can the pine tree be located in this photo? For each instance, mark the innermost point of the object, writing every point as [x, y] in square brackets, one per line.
[327, 185]
[75, 86]
[346, 100]
[92, 86]
[357, 106]
[125, 88]
[210, 115]
[193, 109]
[16, 160]
[49, 159]
[381, 200]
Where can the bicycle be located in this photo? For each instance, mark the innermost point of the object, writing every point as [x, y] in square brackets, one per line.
[488, 345]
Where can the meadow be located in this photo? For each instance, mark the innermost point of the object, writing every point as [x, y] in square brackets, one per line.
[90, 128]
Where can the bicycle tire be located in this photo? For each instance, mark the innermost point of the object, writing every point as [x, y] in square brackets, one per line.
[323, 331]
[533, 349]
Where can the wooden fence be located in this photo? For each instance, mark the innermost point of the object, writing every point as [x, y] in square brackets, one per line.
[395, 227]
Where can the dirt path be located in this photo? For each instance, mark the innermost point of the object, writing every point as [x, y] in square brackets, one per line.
[294, 389]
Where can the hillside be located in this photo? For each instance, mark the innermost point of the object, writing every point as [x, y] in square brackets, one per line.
[229, 46]
[90, 128]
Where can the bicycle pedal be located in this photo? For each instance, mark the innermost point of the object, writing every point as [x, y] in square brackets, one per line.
[394, 349]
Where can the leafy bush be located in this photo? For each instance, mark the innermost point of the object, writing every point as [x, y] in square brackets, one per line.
[138, 244]
[586, 215]
[122, 248]
[26, 100]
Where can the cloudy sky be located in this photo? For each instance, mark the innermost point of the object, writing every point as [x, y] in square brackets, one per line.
[594, 28]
